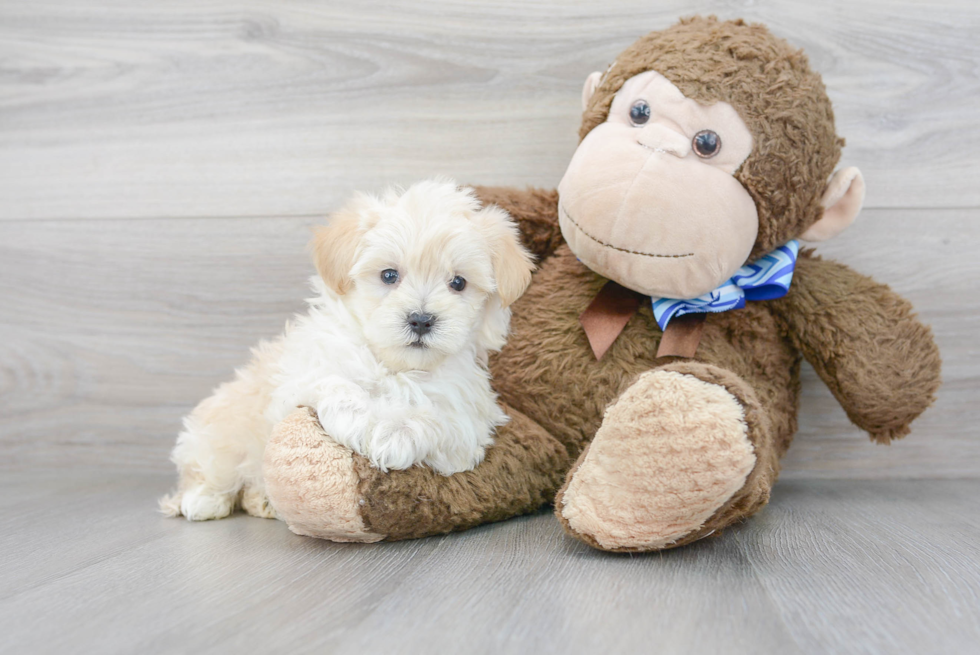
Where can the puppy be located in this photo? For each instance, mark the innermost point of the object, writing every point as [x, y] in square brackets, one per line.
[412, 295]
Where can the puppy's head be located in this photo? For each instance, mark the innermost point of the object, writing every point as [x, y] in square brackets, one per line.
[428, 272]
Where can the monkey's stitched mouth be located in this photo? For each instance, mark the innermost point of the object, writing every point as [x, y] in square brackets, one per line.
[562, 209]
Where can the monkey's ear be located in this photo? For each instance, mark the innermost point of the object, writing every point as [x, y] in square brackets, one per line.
[335, 244]
[591, 84]
[841, 203]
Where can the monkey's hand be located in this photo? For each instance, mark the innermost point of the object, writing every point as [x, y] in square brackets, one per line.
[865, 343]
[534, 210]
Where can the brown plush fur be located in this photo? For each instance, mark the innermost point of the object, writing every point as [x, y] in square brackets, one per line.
[865, 343]
[862, 339]
[324, 490]
[520, 473]
[536, 213]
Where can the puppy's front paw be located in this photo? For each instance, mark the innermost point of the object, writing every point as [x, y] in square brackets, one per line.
[344, 412]
[397, 444]
[199, 505]
[256, 502]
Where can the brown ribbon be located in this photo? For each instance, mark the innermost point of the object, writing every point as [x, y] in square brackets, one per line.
[607, 315]
[612, 308]
[682, 336]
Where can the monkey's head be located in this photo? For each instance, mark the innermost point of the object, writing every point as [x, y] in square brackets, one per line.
[704, 146]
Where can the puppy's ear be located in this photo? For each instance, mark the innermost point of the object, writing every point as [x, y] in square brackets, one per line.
[335, 245]
[512, 264]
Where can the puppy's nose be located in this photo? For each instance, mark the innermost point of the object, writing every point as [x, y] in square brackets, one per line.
[421, 323]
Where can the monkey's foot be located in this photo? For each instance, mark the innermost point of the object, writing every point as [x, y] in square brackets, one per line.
[312, 483]
[674, 460]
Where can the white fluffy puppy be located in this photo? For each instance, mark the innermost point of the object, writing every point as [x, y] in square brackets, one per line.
[412, 295]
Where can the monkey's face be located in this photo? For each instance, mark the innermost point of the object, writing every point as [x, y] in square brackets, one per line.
[649, 199]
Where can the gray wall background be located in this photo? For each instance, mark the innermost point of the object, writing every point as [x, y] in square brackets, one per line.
[161, 165]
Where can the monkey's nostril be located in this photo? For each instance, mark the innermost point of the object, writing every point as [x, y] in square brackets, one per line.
[421, 323]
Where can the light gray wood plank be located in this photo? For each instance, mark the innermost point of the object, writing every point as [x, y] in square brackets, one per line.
[110, 331]
[193, 588]
[75, 521]
[537, 591]
[828, 566]
[220, 108]
[861, 568]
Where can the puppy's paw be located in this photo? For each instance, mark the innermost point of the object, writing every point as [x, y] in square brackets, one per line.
[344, 411]
[256, 502]
[397, 444]
[457, 460]
[199, 505]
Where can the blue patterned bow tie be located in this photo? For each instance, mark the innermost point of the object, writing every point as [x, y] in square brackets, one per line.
[764, 279]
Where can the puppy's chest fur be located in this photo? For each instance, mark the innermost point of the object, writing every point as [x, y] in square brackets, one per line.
[444, 418]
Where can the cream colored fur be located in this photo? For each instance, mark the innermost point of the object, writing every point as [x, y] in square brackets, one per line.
[395, 397]
[669, 453]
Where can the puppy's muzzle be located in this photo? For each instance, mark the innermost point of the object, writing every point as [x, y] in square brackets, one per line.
[421, 324]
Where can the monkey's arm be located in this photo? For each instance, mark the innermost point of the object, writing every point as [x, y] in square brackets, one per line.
[534, 210]
[865, 343]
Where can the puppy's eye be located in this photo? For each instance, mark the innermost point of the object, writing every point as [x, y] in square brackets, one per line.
[706, 144]
[389, 276]
[458, 283]
[640, 112]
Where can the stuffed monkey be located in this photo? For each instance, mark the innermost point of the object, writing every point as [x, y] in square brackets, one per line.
[652, 374]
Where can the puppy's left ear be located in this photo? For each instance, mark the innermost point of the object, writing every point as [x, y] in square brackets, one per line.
[335, 245]
[512, 264]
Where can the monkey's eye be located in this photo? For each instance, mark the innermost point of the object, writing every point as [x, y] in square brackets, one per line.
[706, 144]
[458, 283]
[640, 112]
[389, 276]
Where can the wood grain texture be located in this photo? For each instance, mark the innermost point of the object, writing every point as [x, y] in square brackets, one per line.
[827, 567]
[854, 542]
[110, 331]
[217, 108]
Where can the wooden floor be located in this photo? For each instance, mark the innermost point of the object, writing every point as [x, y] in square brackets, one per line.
[829, 567]
[161, 164]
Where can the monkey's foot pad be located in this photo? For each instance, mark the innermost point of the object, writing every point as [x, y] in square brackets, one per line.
[312, 483]
[668, 455]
